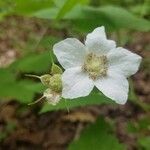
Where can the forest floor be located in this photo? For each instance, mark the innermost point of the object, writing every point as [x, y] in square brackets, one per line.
[27, 130]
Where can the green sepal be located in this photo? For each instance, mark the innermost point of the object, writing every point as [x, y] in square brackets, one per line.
[56, 69]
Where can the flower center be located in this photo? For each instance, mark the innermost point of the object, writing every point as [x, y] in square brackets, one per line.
[95, 66]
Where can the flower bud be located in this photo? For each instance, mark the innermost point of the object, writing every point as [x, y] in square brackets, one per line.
[51, 96]
[45, 79]
[55, 83]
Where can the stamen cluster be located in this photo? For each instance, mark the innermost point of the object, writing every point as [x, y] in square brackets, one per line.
[95, 65]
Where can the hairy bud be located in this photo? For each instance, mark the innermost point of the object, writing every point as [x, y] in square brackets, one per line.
[56, 83]
[45, 79]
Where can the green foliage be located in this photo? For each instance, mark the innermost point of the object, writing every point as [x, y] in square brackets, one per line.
[48, 41]
[89, 17]
[6, 76]
[142, 125]
[49, 13]
[135, 99]
[10, 89]
[140, 128]
[27, 7]
[33, 63]
[5, 8]
[23, 90]
[97, 136]
[93, 98]
[141, 10]
[85, 18]
[144, 143]
[68, 5]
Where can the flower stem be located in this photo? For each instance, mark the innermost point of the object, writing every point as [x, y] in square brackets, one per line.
[36, 101]
[34, 76]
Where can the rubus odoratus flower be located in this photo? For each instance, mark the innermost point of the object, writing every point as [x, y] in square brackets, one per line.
[98, 63]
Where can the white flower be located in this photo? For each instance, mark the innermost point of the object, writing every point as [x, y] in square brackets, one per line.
[97, 63]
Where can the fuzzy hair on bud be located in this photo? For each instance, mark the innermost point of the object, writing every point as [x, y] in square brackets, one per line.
[56, 83]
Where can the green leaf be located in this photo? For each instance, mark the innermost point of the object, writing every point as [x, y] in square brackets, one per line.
[36, 87]
[16, 92]
[94, 98]
[6, 76]
[27, 7]
[141, 10]
[113, 18]
[87, 18]
[49, 13]
[144, 142]
[36, 63]
[10, 89]
[68, 5]
[48, 41]
[22, 91]
[97, 137]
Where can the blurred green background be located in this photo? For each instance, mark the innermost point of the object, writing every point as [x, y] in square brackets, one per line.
[28, 31]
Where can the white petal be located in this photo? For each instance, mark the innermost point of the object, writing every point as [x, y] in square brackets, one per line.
[97, 33]
[114, 86]
[76, 83]
[96, 42]
[101, 47]
[70, 52]
[124, 61]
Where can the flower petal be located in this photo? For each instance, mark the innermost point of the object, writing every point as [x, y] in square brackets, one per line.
[114, 86]
[101, 47]
[70, 52]
[124, 61]
[96, 42]
[76, 83]
[99, 32]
